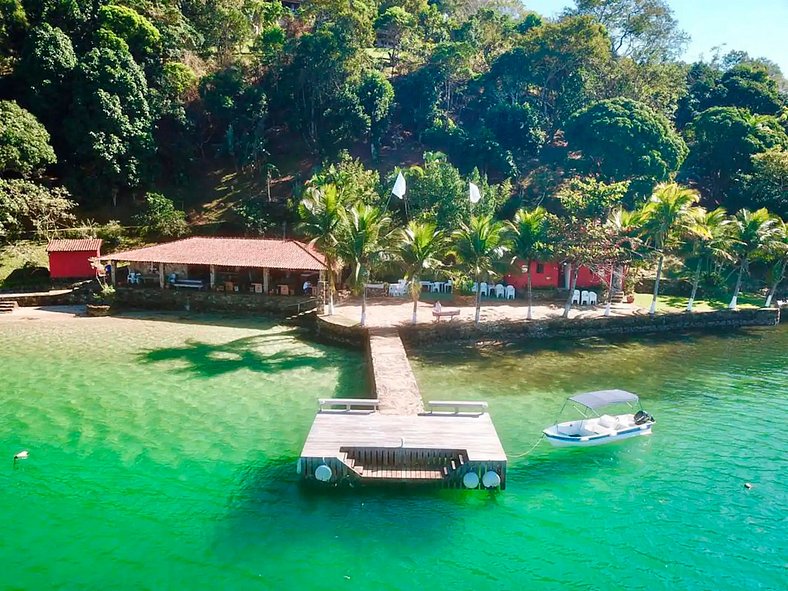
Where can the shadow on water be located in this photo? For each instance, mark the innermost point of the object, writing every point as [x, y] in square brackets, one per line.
[259, 353]
[272, 507]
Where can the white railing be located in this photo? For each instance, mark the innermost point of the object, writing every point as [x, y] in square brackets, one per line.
[348, 403]
[457, 406]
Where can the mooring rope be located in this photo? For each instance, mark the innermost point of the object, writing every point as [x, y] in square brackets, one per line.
[538, 441]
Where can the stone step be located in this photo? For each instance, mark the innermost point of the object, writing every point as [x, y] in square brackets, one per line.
[7, 306]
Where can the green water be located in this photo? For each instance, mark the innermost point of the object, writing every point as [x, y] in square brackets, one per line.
[162, 456]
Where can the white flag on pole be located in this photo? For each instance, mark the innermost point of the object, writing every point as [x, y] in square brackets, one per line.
[399, 186]
[475, 193]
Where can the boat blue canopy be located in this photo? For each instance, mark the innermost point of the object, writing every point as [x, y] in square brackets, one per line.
[603, 398]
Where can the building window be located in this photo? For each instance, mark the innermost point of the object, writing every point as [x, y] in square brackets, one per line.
[539, 268]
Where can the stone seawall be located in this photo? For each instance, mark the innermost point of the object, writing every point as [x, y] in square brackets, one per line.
[211, 301]
[63, 297]
[509, 331]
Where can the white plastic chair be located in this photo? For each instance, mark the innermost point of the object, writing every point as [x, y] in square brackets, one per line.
[510, 292]
[576, 296]
[435, 287]
[475, 287]
[132, 277]
[592, 298]
[483, 289]
[500, 291]
[449, 286]
[584, 298]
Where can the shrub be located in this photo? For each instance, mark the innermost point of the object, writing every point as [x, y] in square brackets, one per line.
[161, 218]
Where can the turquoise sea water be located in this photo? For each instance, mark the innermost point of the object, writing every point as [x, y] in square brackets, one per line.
[162, 456]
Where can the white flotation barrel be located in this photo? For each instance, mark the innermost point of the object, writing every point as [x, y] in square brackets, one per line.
[491, 479]
[470, 480]
[299, 466]
[323, 473]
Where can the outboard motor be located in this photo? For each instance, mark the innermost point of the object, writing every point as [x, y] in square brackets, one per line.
[642, 416]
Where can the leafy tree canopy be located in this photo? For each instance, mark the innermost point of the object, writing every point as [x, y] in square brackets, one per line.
[622, 139]
[24, 142]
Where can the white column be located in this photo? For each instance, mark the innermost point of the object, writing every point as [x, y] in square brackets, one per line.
[213, 276]
[567, 275]
[161, 275]
[265, 280]
[114, 273]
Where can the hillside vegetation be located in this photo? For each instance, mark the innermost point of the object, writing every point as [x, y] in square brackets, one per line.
[211, 115]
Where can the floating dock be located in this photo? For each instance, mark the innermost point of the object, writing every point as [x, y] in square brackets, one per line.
[454, 445]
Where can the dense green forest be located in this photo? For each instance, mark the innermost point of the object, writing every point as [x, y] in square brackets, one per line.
[122, 109]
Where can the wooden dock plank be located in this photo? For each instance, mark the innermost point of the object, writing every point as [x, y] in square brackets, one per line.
[476, 434]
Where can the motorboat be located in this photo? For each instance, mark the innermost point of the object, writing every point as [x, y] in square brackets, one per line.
[593, 428]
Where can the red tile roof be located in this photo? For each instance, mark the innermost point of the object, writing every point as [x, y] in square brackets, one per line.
[228, 252]
[75, 245]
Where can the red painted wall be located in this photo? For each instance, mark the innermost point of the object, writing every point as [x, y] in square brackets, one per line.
[74, 264]
[547, 278]
[551, 276]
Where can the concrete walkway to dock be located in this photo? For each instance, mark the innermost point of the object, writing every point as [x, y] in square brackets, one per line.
[394, 384]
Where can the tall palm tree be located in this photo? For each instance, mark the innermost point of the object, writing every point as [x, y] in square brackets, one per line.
[707, 240]
[665, 215]
[321, 218]
[529, 238]
[751, 231]
[777, 251]
[421, 245]
[478, 248]
[362, 241]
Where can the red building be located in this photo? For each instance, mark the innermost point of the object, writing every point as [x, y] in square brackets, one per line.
[70, 259]
[555, 275]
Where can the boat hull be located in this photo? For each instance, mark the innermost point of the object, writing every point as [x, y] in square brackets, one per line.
[559, 440]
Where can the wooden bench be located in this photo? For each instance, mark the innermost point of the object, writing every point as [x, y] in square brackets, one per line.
[456, 406]
[190, 283]
[448, 313]
[348, 403]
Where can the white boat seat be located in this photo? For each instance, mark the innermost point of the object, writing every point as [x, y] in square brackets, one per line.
[608, 422]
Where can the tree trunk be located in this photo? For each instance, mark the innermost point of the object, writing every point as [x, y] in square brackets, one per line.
[778, 279]
[478, 300]
[610, 290]
[653, 309]
[734, 299]
[364, 306]
[695, 282]
[529, 317]
[330, 287]
[415, 295]
[568, 306]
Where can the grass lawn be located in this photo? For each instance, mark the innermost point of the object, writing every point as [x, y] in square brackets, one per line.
[15, 255]
[667, 303]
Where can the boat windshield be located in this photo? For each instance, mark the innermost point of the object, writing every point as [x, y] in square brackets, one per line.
[594, 400]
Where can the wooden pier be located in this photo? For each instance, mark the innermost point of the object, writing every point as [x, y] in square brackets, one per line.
[390, 438]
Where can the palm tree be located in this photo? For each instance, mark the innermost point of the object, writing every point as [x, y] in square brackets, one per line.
[707, 240]
[361, 242]
[777, 251]
[529, 237]
[751, 231]
[478, 248]
[664, 215]
[321, 219]
[420, 248]
[626, 228]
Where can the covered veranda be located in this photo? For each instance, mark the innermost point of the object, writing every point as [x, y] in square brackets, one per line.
[242, 265]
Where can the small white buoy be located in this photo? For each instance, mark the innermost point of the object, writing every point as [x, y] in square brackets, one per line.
[747, 485]
[470, 480]
[22, 455]
[491, 479]
[323, 473]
